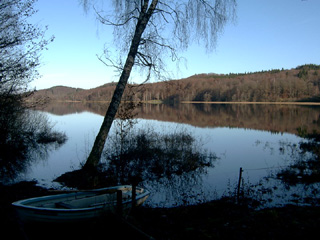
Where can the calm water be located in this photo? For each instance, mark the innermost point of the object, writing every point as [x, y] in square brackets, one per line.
[258, 138]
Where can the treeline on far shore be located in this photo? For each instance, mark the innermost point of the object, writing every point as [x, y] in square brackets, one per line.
[277, 85]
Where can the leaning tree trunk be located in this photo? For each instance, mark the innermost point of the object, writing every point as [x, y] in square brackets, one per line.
[100, 140]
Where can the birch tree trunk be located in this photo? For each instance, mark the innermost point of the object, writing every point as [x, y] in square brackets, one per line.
[144, 17]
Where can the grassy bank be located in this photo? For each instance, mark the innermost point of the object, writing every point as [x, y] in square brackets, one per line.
[226, 220]
[222, 219]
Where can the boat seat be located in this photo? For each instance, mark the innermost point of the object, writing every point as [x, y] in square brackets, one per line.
[64, 205]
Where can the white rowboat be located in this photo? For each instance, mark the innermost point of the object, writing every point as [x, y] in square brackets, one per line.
[78, 206]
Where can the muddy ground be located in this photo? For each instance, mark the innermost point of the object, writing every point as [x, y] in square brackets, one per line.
[222, 219]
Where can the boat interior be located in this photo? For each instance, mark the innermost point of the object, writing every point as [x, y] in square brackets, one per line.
[83, 200]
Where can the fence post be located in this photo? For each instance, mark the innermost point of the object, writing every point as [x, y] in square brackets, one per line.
[134, 195]
[239, 184]
[119, 202]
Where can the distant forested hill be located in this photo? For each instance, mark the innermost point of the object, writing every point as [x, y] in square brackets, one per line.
[299, 84]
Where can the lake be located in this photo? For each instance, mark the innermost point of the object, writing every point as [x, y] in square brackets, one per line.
[262, 139]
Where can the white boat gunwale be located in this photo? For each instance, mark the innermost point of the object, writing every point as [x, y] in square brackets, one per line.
[24, 204]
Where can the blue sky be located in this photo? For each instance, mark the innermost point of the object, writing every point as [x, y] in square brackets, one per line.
[267, 34]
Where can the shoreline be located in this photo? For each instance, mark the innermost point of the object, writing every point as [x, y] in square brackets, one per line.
[194, 102]
[261, 103]
[219, 219]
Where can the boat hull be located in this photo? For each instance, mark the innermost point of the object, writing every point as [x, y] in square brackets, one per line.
[77, 206]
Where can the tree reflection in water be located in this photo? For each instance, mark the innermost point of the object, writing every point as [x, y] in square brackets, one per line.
[172, 166]
[299, 181]
[305, 166]
[25, 136]
[273, 156]
[175, 161]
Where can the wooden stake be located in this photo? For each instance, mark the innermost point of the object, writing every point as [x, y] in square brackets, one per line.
[239, 184]
[134, 195]
[119, 202]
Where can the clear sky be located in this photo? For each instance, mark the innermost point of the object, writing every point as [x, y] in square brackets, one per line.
[267, 34]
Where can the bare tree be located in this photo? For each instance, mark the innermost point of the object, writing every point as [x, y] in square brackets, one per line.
[23, 133]
[20, 46]
[146, 32]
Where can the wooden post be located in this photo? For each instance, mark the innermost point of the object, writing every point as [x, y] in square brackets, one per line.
[239, 184]
[119, 202]
[134, 195]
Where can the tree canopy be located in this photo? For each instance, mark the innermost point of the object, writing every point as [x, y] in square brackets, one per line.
[20, 46]
[173, 26]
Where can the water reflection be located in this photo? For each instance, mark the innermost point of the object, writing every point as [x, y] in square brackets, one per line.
[150, 155]
[296, 181]
[26, 137]
[258, 138]
[305, 161]
[274, 118]
[186, 189]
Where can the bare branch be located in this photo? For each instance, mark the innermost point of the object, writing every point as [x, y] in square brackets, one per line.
[111, 63]
[106, 21]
